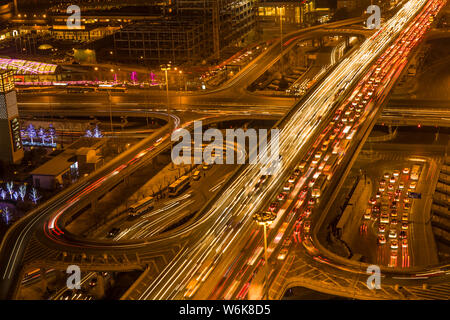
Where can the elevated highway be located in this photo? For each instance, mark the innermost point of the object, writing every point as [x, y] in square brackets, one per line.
[212, 230]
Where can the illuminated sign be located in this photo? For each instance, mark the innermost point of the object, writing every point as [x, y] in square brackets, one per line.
[15, 133]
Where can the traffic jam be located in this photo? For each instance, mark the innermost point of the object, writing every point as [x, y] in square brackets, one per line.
[388, 215]
[304, 189]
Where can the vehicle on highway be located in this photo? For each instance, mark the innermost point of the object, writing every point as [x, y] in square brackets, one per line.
[196, 175]
[394, 244]
[405, 170]
[393, 234]
[113, 232]
[405, 243]
[281, 196]
[368, 214]
[413, 185]
[319, 186]
[415, 171]
[381, 239]
[282, 254]
[206, 167]
[93, 282]
[179, 186]
[384, 218]
[382, 228]
[405, 226]
[141, 206]
[287, 187]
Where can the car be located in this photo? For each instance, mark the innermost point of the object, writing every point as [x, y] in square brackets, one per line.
[378, 195]
[302, 166]
[372, 200]
[405, 217]
[297, 172]
[386, 175]
[405, 170]
[282, 254]
[384, 218]
[394, 244]
[407, 206]
[402, 234]
[287, 187]
[307, 226]
[392, 179]
[401, 185]
[196, 175]
[376, 208]
[307, 212]
[405, 243]
[413, 185]
[303, 191]
[382, 228]
[390, 187]
[113, 232]
[93, 282]
[311, 183]
[381, 189]
[396, 198]
[273, 206]
[396, 173]
[393, 234]
[393, 223]
[291, 179]
[318, 155]
[406, 200]
[404, 226]
[382, 182]
[281, 196]
[368, 214]
[381, 239]
[311, 201]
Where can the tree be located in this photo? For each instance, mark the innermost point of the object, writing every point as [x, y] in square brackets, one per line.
[34, 195]
[42, 134]
[10, 187]
[97, 132]
[51, 133]
[31, 132]
[22, 191]
[3, 194]
[5, 215]
[15, 195]
[88, 133]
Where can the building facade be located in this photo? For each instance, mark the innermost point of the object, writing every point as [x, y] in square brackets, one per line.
[10, 140]
[194, 30]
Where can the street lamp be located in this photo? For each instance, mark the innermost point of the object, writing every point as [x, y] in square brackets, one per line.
[166, 67]
[281, 38]
[264, 219]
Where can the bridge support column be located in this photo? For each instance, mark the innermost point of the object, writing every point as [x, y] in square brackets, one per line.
[99, 290]
[390, 129]
[44, 281]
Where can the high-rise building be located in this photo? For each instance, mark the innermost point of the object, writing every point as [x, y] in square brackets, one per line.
[10, 140]
[191, 30]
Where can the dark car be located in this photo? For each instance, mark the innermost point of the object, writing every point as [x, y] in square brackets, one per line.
[113, 232]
